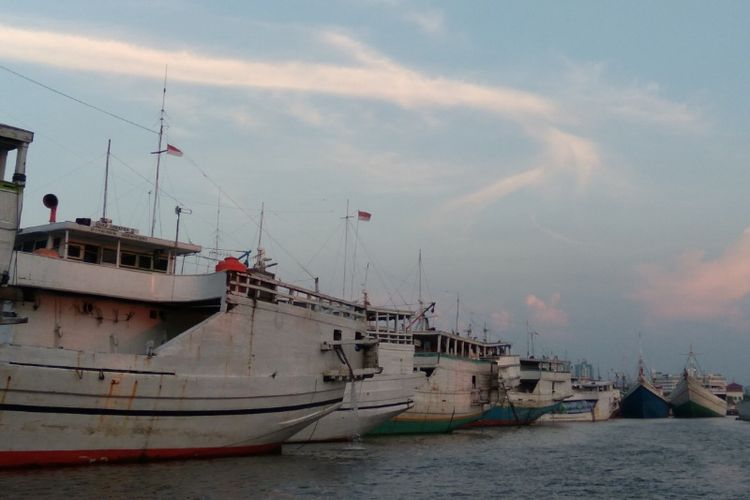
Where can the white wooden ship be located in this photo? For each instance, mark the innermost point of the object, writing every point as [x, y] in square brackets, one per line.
[107, 354]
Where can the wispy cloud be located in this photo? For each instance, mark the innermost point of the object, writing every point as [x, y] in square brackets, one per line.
[696, 288]
[375, 77]
[499, 189]
[562, 153]
[429, 21]
[589, 87]
[546, 314]
[369, 76]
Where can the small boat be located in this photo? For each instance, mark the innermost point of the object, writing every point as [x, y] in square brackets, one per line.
[644, 400]
[691, 399]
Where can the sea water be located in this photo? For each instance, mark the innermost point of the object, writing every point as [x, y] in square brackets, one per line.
[667, 458]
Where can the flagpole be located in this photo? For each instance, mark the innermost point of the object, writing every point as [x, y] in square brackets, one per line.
[159, 152]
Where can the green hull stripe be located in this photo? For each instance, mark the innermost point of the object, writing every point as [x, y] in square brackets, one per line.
[422, 427]
[693, 410]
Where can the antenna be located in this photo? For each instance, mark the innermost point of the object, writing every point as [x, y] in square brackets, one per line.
[530, 340]
[159, 152]
[106, 179]
[179, 211]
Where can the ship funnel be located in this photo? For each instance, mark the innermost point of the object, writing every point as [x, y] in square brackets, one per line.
[50, 201]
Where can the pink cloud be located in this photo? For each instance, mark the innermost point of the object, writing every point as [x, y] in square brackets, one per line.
[501, 320]
[697, 288]
[546, 314]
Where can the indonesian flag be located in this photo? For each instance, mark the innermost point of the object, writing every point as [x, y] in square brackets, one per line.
[362, 215]
[171, 150]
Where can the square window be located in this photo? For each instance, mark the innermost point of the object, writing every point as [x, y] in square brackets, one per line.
[127, 259]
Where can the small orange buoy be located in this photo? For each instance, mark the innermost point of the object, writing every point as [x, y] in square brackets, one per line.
[231, 264]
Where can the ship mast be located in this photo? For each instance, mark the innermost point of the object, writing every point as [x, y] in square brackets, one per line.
[159, 152]
[346, 247]
[106, 181]
[260, 254]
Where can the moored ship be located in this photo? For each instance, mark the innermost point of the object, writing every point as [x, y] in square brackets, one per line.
[460, 378]
[643, 400]
[592, 401]
[691, 399]
[371, 402]
[543, 383]
[106, 354]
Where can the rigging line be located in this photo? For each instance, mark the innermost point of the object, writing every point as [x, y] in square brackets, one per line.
[325, 244]
[79, 101]
[383, 280]
[148, 181]
[245, 211]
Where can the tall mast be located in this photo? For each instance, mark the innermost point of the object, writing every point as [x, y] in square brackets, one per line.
[354, 257]
[218, 219]
[260, 254]
[457, 302]
[346, 247]
[106, 181]
[419, 273]
[159, 152]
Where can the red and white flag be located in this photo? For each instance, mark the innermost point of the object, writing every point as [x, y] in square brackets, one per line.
[171, 150]
[362, 215]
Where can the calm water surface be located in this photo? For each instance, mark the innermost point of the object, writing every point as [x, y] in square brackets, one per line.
[617, 459]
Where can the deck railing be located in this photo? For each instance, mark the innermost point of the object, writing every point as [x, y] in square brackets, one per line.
[258, 286]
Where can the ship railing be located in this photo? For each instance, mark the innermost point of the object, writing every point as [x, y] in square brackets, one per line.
[267, 289]
[392, 337]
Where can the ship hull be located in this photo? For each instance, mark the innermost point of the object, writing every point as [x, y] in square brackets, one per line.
[641, 402]
[743, 410]
[376, 401]
[54, 416]
[453, 396]
[691, 400]
[503, 415]
[242, 381]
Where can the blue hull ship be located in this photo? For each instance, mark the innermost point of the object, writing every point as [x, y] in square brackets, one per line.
[644, 401]
[506, 415]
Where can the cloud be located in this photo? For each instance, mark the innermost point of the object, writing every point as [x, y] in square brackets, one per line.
[430, 21]
[548, 314]
[501, 320]
[375, 77]
[370, 75]
[696, 288]
[563, 153]
[635, 102]
[498, 189]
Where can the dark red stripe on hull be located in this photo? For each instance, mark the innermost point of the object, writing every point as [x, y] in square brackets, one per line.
[80, 457]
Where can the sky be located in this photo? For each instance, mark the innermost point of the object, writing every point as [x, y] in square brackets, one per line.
[576, 169]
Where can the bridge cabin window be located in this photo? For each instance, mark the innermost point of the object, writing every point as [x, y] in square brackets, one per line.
[75, 252]
[109, 256]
